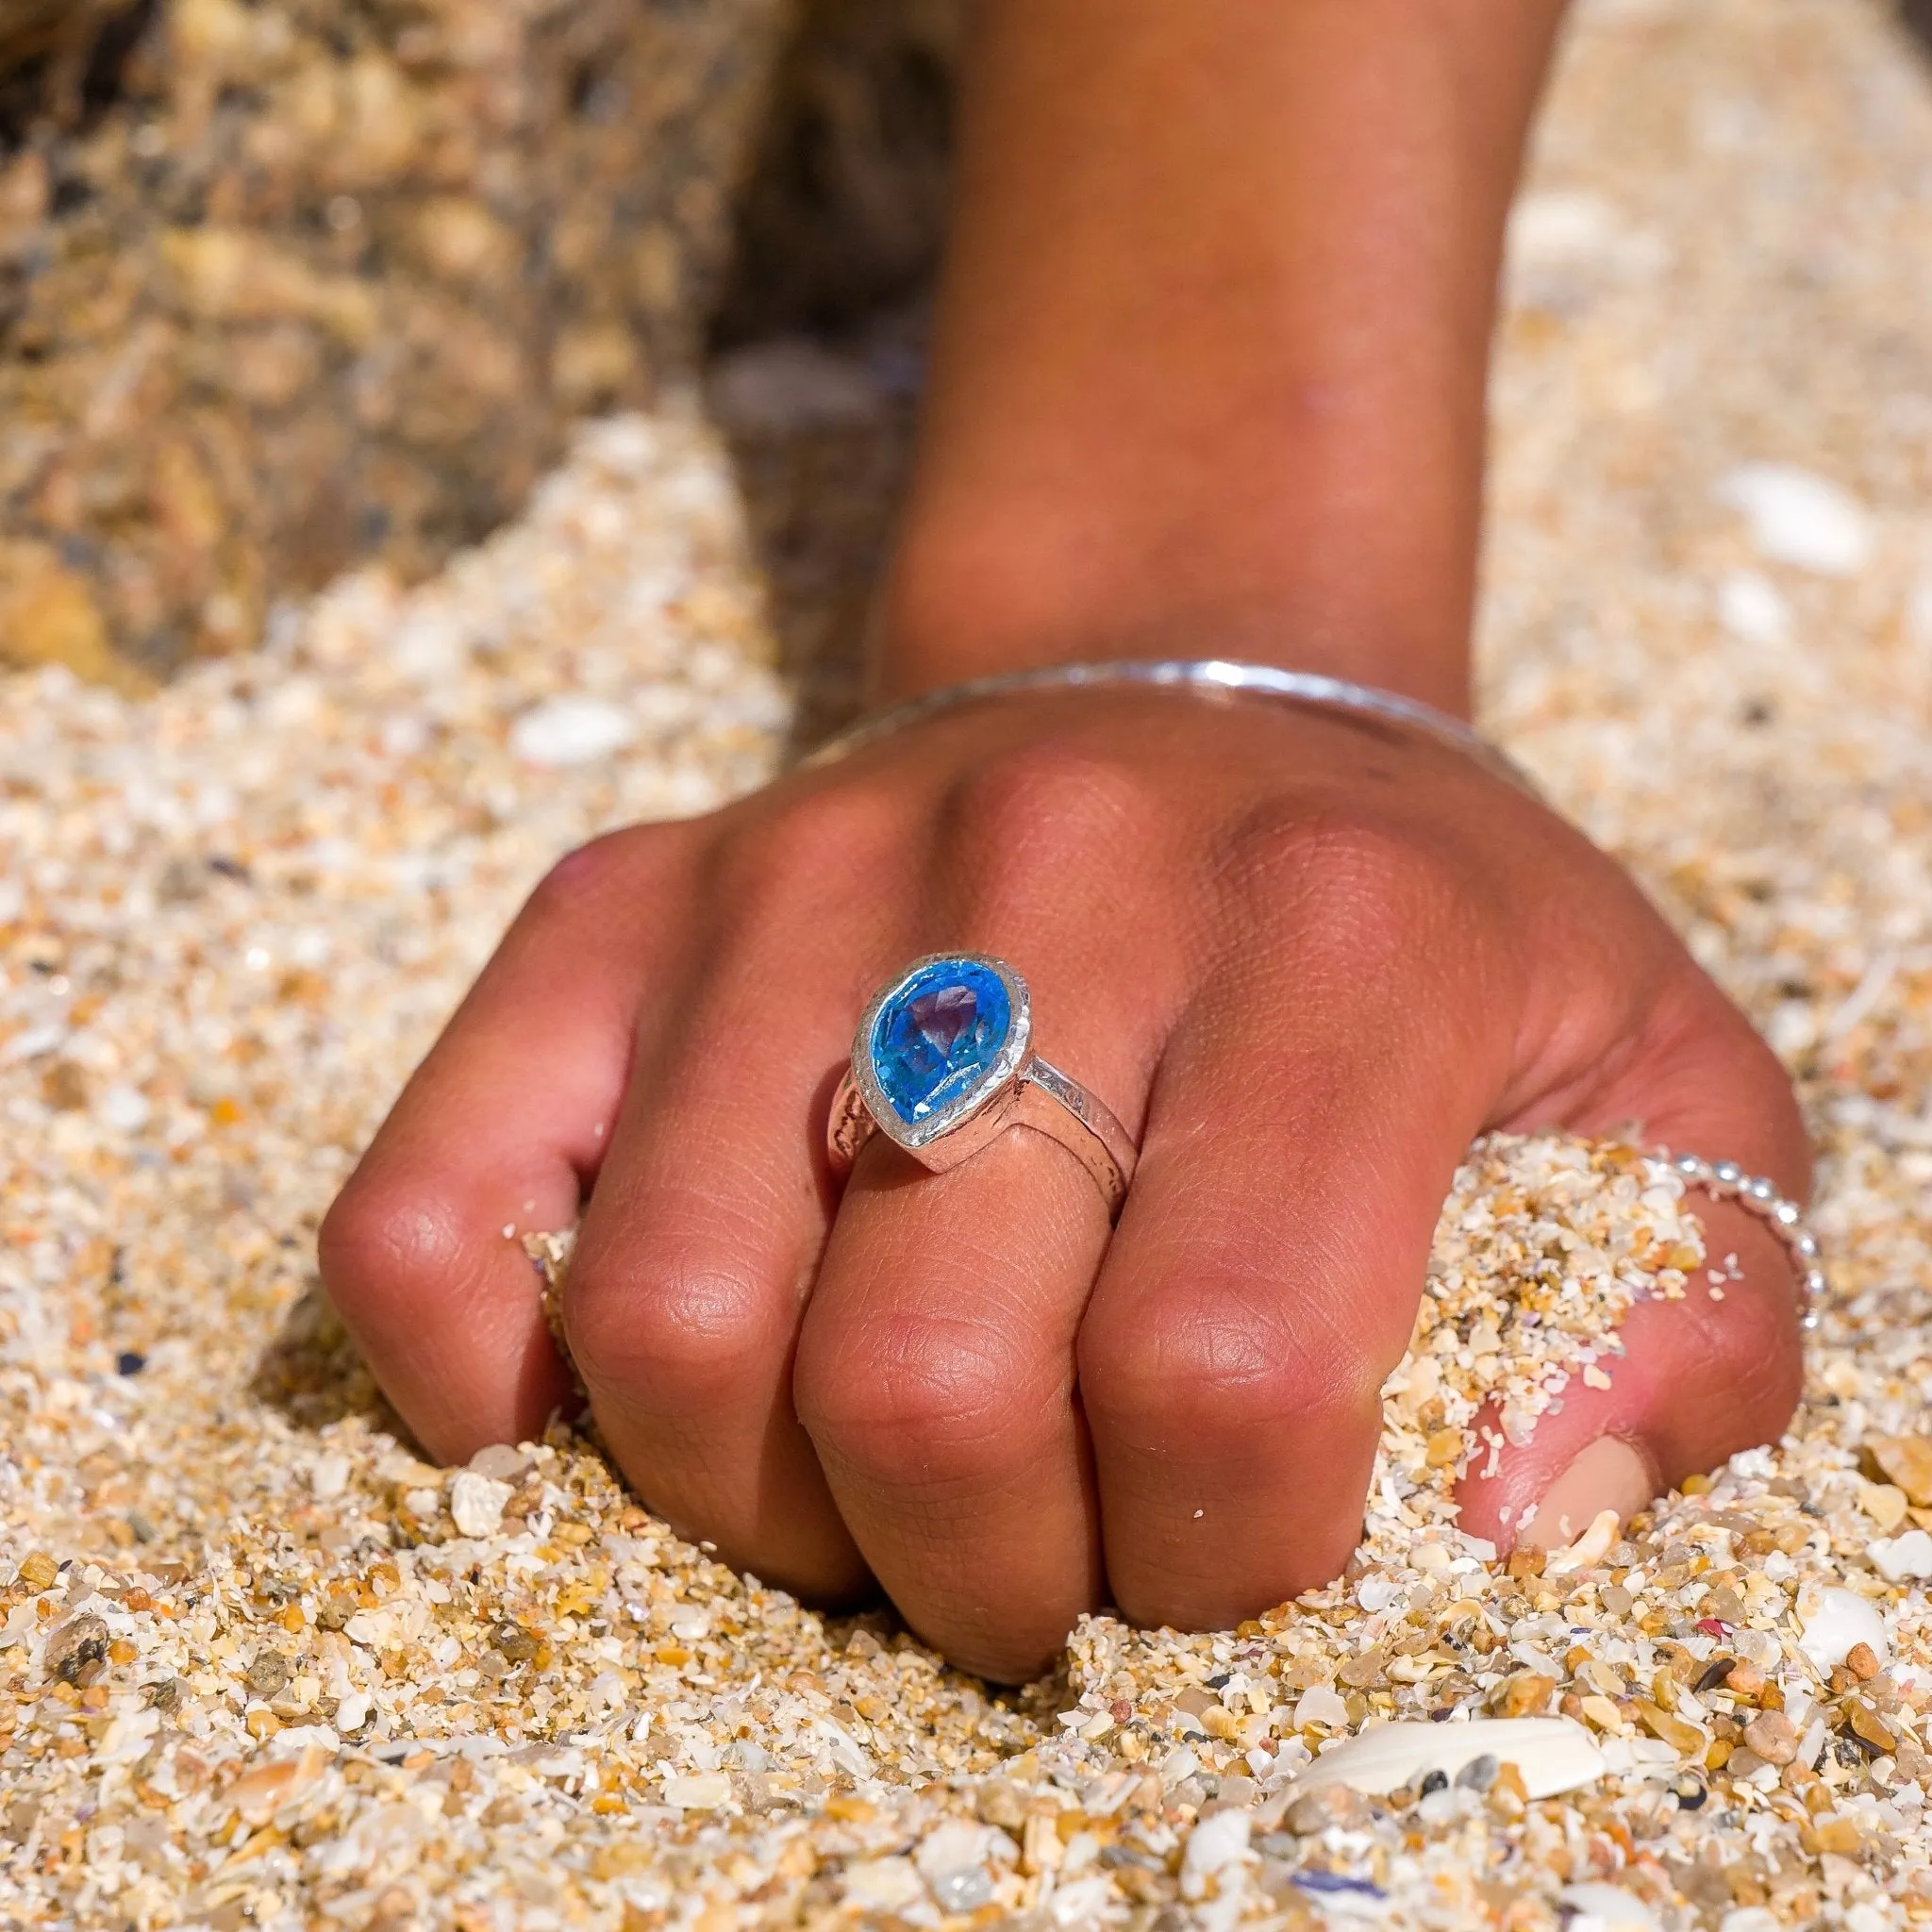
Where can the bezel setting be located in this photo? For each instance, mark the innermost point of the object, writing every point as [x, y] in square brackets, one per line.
[965, 1121]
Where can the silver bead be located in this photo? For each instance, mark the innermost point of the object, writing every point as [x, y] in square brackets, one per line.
[1815, 1283]
[1761, 1192]
[1812, 1321]
[1727, 1174]
[1786, 1213]
[1691, 1166]
[1805, 1244]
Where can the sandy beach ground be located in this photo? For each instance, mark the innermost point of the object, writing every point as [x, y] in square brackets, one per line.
[261, 1666]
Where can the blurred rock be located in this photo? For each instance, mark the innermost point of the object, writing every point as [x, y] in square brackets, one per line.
[321, 282]
[288, 286]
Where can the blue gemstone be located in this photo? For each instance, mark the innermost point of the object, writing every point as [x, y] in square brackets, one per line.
[935, 1037]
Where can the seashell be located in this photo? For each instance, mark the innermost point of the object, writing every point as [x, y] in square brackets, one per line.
[1800, 518]
[1320, 1704]
[1609, 1906]
[1901, 1556]
[1592, 1547]
[1551, 1753]
[1835, 1622]
[477, 1503]
[570, 730]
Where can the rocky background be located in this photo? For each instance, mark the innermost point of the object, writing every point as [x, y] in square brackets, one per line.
[289, 286]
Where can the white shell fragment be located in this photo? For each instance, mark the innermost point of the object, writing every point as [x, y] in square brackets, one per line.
[1898, 1557]
[1562, 225]
[878, 1885]
[329, 1476]
[1592, 1547]
[476, 1503]
[1799, 518]
[1835, 1622]
[703, 1790]
[1217, 1843]
[954, 1860]
[1322, 1704]
[1600, 1908]
[125, 1108]
[1753, 609]
[570, 731]
[1552, 1753]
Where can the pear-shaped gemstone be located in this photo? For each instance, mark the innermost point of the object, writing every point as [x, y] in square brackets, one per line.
[937, 1036]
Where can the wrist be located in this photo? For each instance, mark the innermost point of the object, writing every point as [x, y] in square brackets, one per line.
[1209, 368]
[964, 599]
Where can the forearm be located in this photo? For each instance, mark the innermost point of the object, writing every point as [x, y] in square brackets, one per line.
[1212, 338]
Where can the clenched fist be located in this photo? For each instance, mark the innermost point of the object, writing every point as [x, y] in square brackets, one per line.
[1305, 959]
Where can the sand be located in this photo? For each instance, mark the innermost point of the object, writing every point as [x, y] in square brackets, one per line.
[260, 1665]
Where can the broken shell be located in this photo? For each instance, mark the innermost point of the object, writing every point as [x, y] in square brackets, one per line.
[1836, 1621]
[1591, 1548]
[1900, 1557]
[1552, 1753]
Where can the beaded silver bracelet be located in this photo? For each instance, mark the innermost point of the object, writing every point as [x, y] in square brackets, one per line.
[1724, 1180]
[1202, 677]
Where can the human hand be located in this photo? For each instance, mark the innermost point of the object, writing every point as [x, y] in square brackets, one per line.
[1303, 962]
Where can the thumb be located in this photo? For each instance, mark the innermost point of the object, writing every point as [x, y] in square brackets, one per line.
[1705, 1376]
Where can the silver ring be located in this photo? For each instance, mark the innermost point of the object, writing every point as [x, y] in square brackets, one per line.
[943, 1063]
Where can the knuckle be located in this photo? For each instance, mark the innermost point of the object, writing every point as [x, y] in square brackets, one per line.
[1371, 874]
[686, 1333]
[586, 874]
[1041, 797]
[1212, 1365]
[384, 1242]
[777, 855]
[610, 870]
[913, 1402]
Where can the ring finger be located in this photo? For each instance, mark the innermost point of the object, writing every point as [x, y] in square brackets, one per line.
[935, 1366]
[936, 1377]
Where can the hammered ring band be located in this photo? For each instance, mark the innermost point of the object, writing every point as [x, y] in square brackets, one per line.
[943, 1063]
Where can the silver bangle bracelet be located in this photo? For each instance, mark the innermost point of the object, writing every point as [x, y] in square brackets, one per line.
[1212, 677]
[1203, 677]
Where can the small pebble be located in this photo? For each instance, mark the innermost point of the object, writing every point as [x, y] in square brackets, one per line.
[1799, 518]
[267, 1674]
[1753, 609]
[1836, 1621]
[124, 1108]
[500, 1462]
[477, 1503]
[1772, 1736]
[567, 731]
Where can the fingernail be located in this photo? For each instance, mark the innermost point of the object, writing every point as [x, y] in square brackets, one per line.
[1605, 1475]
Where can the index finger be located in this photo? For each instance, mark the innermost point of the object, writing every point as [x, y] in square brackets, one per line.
[499, 1132]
